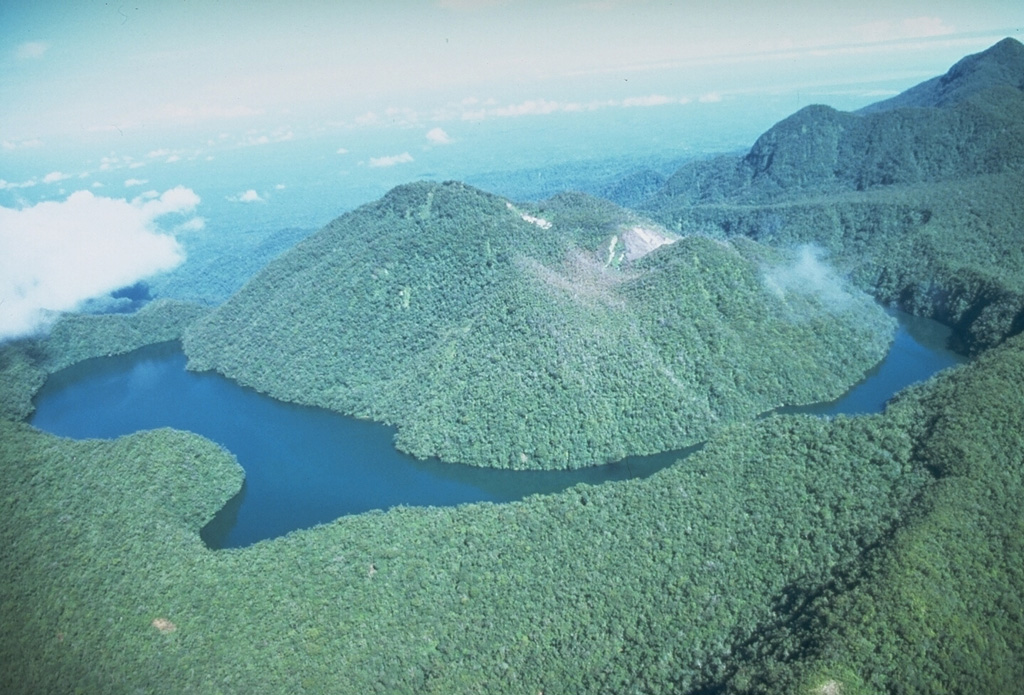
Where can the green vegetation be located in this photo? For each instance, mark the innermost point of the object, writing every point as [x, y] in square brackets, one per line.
[791, 554]
[77, 337]
[921, 206]
[25, 363]
[951, 251]
[940, 607]
[219, 264]
[21, 376]
[547, 337]
[621, 179]
[695, 577]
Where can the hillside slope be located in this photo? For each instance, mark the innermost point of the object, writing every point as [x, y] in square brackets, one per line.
[1001, 65]
[791, 555]
[566, 335]
[919, 199]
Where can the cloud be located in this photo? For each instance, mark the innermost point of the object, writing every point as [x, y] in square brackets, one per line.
[30, 50]
[809, 275]
[368, 118]
[55, 176]
[710, 98]
[112, 162]
[277, 135]
[249, 196]
[439, 137]
[401, 116]
[19, 144]
[909, 28]
[193, 225]
[391, 161]
[57, 254]
[533, 107]
[543, 107]
[177, 199]
[107, 163]
[342, 150]
[652, 100]
[135, 182]
[10, 185]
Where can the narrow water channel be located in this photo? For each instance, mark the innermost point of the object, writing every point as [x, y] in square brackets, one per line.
[305, 466]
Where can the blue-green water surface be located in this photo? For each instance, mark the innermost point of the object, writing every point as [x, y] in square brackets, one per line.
[305, 466]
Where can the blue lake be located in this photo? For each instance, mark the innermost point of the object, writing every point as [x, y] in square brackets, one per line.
[305, 466]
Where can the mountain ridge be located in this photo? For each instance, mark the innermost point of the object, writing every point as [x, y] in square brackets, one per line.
[999, 65]
[848, 181]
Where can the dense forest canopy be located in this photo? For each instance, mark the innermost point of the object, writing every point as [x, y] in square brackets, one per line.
[918, 199]
[882, 553]
[877, 554]
[564, 334]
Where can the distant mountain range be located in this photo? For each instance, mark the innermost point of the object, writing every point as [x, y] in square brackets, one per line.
[964, 124]
[917, 197]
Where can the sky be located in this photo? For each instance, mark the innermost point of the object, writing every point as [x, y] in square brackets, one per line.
[149, 115]
[75, 69]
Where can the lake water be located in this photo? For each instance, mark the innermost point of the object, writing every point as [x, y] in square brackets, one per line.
[305, 466]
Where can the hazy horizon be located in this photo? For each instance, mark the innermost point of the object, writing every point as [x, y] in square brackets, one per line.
[133, 135]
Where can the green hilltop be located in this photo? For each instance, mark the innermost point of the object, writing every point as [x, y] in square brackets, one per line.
[566, 334]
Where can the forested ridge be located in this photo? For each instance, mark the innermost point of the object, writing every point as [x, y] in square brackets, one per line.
[875, 554]
[565, 334]
[872, 554]
[918, 199]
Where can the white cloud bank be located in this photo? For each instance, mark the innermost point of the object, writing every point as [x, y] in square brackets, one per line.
[31, 50]
[543, 107]
[19, 144]
[55, 255]
[651, 100]
[11, 185]
[439, 137]
[391, 161]
[249, 196]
